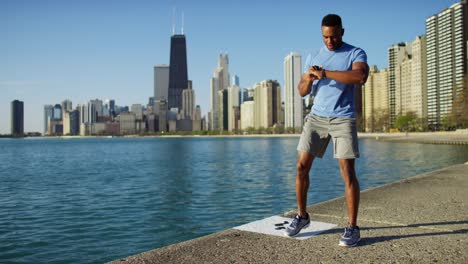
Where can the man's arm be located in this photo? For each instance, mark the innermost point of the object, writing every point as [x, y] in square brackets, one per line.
[305, 85]
[357, 75]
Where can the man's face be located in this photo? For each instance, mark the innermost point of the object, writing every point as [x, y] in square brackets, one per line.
[332, 36]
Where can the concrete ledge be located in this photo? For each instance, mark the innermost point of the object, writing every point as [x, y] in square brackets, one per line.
[417, 220]
[446, 138]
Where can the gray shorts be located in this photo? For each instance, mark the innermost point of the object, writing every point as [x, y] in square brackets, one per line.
[318, 131]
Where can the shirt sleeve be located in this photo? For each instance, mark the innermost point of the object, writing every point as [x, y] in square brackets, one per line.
[360, 56]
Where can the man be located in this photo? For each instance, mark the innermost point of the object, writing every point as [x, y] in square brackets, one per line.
[337, 68]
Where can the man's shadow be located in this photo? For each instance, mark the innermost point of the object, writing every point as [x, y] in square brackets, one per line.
[366, 241]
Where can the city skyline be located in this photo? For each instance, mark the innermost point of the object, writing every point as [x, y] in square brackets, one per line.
[80, 51]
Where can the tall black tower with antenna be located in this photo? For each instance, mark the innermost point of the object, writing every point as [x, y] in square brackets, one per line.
[178, 77]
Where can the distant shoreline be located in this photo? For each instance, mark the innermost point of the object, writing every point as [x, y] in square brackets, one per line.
[440, 137]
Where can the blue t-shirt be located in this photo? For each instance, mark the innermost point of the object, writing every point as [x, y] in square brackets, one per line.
[332, 98]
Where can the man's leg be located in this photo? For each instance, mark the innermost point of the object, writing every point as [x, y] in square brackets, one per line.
[352, 190]
[303, 165]
[302, 219]
[314, 139]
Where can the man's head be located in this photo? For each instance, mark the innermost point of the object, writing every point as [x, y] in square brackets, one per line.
[332, 31]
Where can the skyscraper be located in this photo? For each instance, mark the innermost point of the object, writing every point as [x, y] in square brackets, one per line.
[293, 101]
[233, 106]
[267, 106]
[48, 116]
[223, 62]
[67, 106]
[162, 116]
[161, 82]
[215, 83]
[17, 118]
[84, 119]
[112, 107]
[446, 60]
[418, 103]
[188, 102]
[403, 85]
[396, 54]
[197, 113]
[109, 107]
[74, 122]
[84, 116]
[223, 110]
[92, 111]
[66, 124]
[219, 82]
[178, 76]
[137, 110]
[376, 100]
[247, 114]
[235, 80]
[99, 108]
[57, 112]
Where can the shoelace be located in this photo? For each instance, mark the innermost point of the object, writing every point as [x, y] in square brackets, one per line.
[295, 222]
[348, 232]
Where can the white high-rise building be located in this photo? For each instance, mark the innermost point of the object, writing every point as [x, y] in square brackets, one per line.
[214, 88]
[188, 102]
[223, 62]
[247, 114]
[403, 85]
[219, 82]
[418, 102]
[376, 100]
[293, 109]
[233, 106]
[446, 55]
[66, 123]
[84, 119]
[396, 55]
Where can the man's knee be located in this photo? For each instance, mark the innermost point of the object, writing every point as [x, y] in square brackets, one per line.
[348, 171]
[346, 165]
[303, 167]
[300, 168]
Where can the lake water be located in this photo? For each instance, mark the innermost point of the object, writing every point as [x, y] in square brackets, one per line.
[97, 200]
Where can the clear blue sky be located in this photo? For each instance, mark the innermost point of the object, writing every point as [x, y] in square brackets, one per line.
[82, 50]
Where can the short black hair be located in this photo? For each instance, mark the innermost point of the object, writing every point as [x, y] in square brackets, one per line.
[331, 20]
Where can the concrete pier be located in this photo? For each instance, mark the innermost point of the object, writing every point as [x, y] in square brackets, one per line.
[443, 138]
[423, 219]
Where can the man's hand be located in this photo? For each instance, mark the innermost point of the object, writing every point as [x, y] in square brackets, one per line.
[357, 75]
[307, 79]
[316, 72]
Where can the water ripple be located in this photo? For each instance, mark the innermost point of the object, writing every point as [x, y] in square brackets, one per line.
[96, 200]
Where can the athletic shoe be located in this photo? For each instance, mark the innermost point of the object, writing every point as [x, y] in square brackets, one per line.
[351, 237]
[297, 224]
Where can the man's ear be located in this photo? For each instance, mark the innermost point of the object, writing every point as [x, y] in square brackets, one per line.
[342, 31]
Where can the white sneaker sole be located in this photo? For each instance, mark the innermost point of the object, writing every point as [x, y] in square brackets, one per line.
[286, 233]
[346, 245]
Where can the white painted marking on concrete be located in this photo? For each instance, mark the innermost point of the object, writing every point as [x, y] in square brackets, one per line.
[267, 226]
